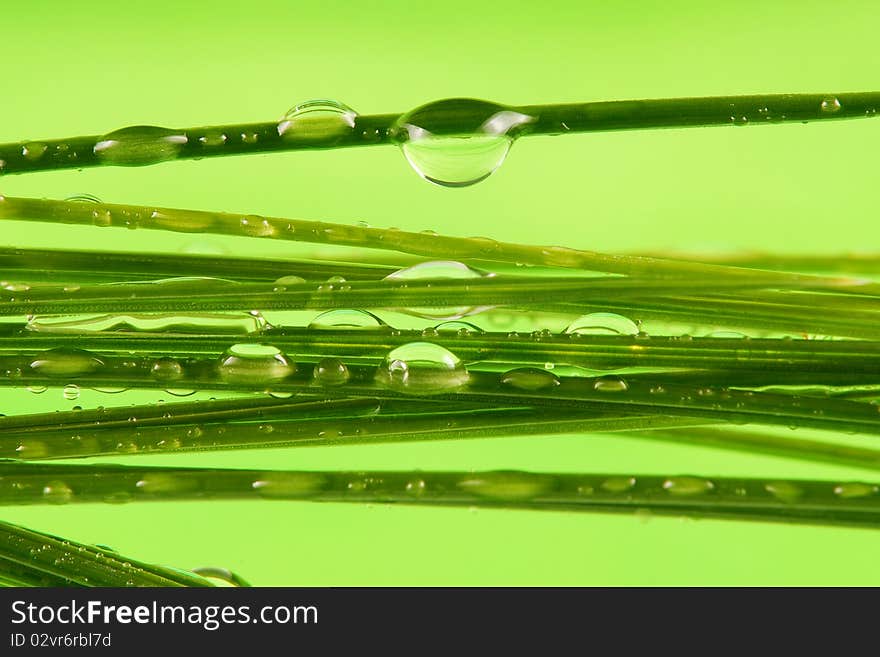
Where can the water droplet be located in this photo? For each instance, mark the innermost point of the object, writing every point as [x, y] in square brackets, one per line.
[139, 145]
[610, 384]
[71, 391]
[459, 141]
[507, 486]
[529, 378]
[83, 198]
[330, 372]
[325, 121]
[416, 487]
[855, 489]
[34, 150]
[619, 484]
[37, 390]
[602, 324]
[462, 328]
[830, 105]
[284, 282]
[160, 483]
[688, 485]
[784, 490]
[255, 363]
[57, 492]
[64, 361]
[166, 369]
[288, 484]
[347, 319]
[439, 270]
[422, 368]
[730, 335]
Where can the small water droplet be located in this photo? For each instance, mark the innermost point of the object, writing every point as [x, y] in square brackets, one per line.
[784, 490]
[619, 484]
[830, 105]
[83, 198]
[347, 319]
[34, 150]
[687, 485]
[422, 368]
[255, 363]
[71, 391]
[57, 492]
[288, 484]
[325, 121]
[160, 483]
[166, 369]
[855, 489]
[139, 145]
[529, 378]
[284, 282]
[507, 486]
[459, 141]
[330, 372]
[602, 324]
[610, 384]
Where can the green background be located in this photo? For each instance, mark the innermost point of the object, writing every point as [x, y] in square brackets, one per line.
[91, 66]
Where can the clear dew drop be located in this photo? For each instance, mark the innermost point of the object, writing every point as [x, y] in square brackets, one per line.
[602, 324]
[83, 198]
[422, 368]
[57, 492]
[530, 379]
[139, 145]
[851, 490]
[347, 319]
[610, 384]
[255, 363]
[457, 142]
[830, 105]
[288, 484]
[65, 362]
[157, 483]
[70, 391]
[784, 491]
[687, 486]
[618, 484]
[166, 369]
[439, 270]
[325, 121]
[330, 372]
[459, 327]
[506, 486]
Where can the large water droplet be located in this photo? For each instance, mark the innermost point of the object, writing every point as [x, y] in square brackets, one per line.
[139, 145]
[166, 369]
[255, 363]
[855, 489]
[459, 141]
[346, 319]
[422, 368]
[688, 485]
[71, 391]
[440, 269]
[65, 362]
[830, 105]
[603, 324]
[610, 384]
[325, 121]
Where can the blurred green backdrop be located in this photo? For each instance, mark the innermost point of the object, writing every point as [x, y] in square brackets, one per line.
[95, 65]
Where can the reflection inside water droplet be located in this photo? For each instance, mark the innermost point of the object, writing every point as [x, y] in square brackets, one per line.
[459, 141]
